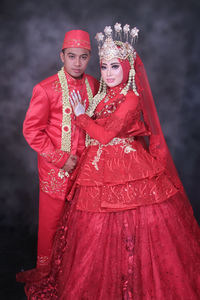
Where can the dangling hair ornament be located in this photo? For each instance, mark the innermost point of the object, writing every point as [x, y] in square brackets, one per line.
[134, 35]
[99, 37]
[118, 30]
[108, 31]
[109, 48]
[126, 30]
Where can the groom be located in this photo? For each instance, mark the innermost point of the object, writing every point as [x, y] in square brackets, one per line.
[49, 129]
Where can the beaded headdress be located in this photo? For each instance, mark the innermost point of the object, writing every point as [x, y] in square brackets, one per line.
[110, 48]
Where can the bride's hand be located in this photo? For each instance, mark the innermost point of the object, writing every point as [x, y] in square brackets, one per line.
[78, 107]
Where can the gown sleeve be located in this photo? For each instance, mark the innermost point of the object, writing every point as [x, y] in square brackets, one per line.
[115, 123]
[34, 126]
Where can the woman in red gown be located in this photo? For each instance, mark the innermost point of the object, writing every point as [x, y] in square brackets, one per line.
[128, 231]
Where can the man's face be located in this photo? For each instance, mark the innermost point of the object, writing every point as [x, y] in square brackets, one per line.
[75, 61]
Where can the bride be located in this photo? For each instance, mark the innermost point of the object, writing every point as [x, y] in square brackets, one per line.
[128, 231]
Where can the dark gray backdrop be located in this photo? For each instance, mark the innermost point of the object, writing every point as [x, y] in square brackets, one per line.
[32, 33]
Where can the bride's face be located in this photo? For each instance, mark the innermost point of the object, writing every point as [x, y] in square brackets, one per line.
[111, 72]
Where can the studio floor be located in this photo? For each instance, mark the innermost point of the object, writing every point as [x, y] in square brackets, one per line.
[17, 252]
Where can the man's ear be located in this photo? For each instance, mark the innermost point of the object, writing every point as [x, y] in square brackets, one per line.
[62, 56]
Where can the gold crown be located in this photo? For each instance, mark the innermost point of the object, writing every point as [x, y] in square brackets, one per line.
[109, 48]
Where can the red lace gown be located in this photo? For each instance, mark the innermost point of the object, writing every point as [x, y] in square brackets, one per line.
[128, 231]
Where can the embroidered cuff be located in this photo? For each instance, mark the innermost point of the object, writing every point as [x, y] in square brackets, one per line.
[58, 157]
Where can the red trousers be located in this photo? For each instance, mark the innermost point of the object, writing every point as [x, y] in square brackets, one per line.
[50, 212]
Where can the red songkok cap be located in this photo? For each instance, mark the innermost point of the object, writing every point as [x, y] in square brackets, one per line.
[77, 39]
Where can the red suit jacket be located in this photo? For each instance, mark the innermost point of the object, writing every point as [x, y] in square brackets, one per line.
[43, 130]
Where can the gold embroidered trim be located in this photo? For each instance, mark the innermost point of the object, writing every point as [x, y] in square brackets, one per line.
[115, 141]
[79, 40]
[54, 183]
[56, 86]
[67, 110]
[53, 157]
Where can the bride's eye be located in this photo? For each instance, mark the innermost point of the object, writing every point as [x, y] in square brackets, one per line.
[115, 67]
[103, 67]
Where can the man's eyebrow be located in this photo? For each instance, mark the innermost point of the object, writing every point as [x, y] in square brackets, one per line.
[71, 53]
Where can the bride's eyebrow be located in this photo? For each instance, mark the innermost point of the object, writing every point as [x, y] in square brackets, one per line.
[112, 64]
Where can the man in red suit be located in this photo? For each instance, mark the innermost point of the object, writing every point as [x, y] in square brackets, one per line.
[49, 129]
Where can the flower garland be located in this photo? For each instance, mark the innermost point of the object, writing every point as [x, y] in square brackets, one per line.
[67, 110]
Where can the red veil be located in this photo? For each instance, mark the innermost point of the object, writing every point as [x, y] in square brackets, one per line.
[157, 144]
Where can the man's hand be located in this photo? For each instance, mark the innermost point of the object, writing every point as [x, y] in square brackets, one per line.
[70, 163]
